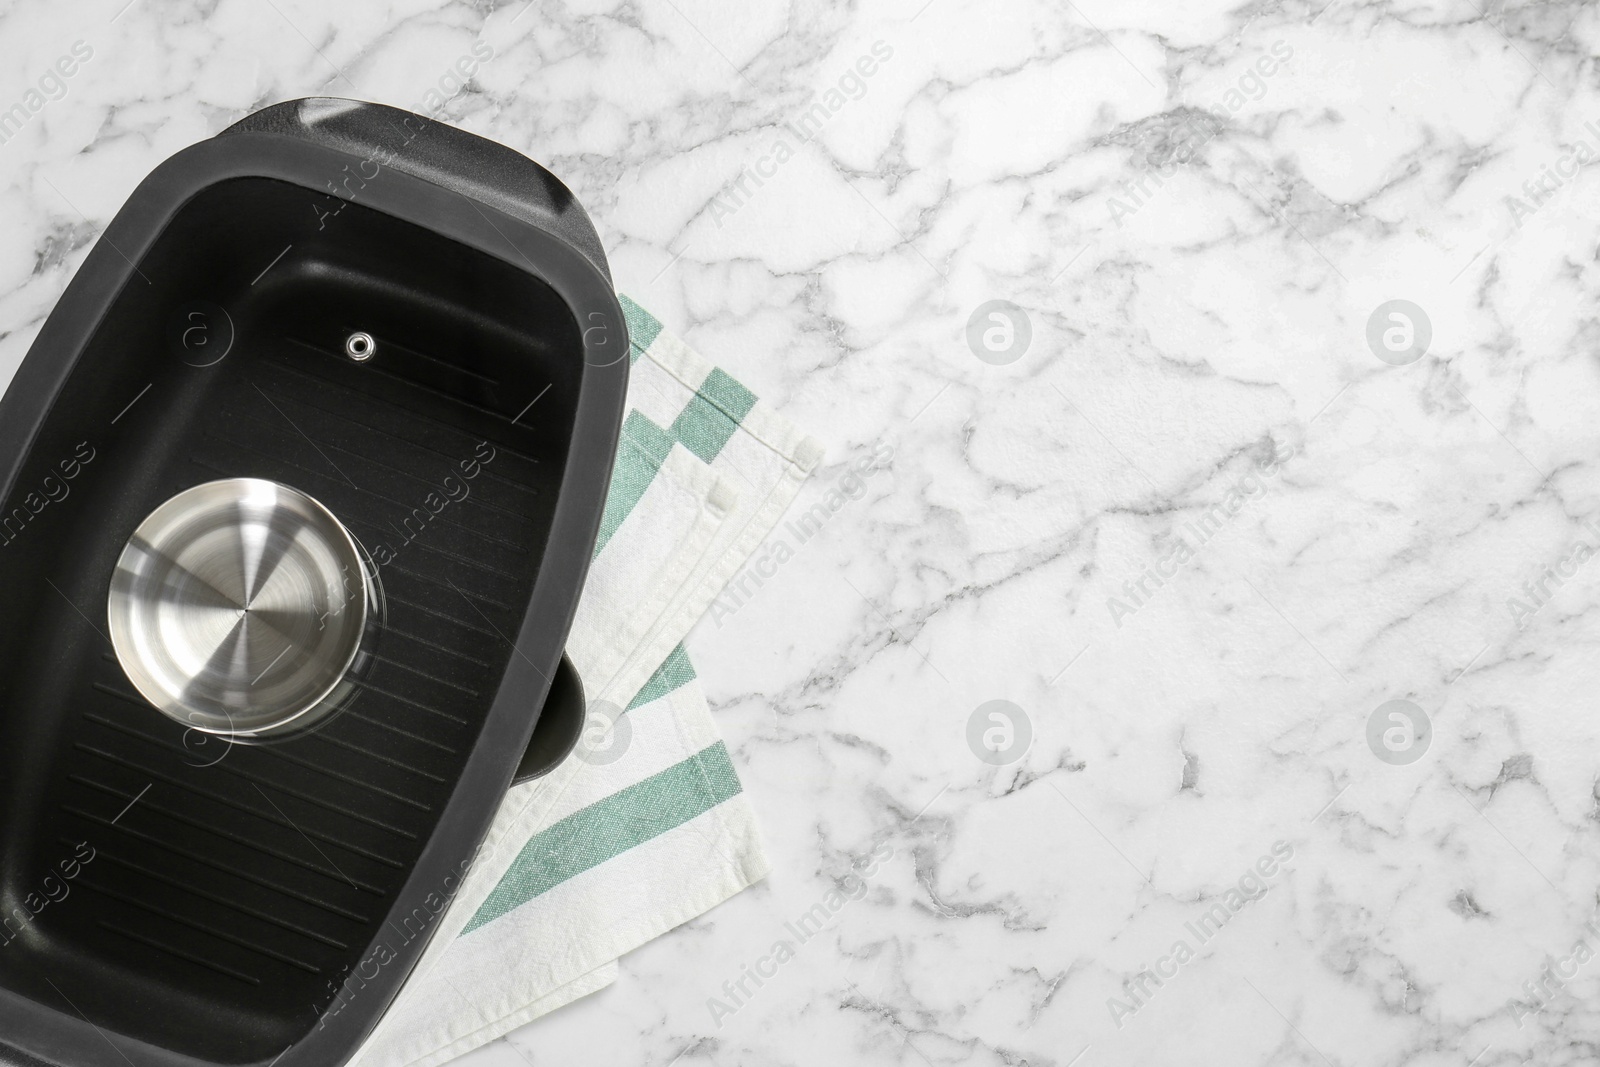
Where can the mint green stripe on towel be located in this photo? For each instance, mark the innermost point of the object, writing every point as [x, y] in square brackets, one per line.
[641, 451]
[585, 839]
[703, 427]
[643, 329]
[713, 416]
[674, 673]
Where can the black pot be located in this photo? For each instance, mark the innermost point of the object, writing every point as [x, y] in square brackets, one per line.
[171, 897]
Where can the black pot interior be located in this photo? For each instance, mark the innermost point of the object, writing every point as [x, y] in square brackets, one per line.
[233, 889]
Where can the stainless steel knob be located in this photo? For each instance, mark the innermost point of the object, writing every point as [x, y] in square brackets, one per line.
[239, 607]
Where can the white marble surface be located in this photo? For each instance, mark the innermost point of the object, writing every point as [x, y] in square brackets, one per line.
[1171, 346]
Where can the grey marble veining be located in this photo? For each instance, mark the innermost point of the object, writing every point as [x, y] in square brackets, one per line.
[1198, 534]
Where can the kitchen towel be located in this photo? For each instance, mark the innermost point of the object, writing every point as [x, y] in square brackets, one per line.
[646, 826]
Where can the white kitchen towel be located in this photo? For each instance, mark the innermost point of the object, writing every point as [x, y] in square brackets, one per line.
[646, 827]
[682, 410]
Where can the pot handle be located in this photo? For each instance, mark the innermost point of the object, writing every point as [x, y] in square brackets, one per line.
[560, 726]
[381, 137]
